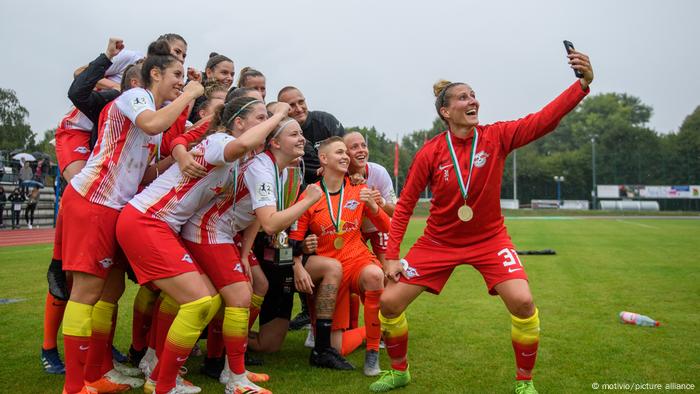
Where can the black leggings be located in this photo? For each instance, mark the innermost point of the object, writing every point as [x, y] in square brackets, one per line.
[15, 218]
[29, 213]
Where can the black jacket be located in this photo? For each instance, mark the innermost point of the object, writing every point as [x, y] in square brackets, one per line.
[318, 126]
[88, 101]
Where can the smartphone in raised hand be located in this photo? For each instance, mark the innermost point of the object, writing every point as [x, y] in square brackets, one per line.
[569, 46]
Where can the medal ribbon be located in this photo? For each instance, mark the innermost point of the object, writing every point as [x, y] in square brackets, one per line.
[462, 187]
[278, 189]
[336, 224]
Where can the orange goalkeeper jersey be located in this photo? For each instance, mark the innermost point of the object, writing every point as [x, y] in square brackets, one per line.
[317, 220]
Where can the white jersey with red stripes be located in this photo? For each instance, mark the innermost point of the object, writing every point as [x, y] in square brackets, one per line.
[174, 197]
[378, 177]
[119, 159]
[75, 120]
[221, 220]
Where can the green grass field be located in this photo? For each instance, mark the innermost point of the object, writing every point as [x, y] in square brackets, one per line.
[460, 340]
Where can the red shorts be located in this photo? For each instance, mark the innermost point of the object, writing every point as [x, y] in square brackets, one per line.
[431, 265]
[378, 240]
[153, 249]
[87, 241]
[349, 284]
[220, 262]
[252, 260]
[71, 145]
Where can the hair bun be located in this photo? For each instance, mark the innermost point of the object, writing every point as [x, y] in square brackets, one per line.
[439, 85]
[212, 54]
[159, 47]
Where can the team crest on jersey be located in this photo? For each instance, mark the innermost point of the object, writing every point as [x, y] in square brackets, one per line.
[410, 271]
[138, 103]
[82, 150]
[480, 159]
[238, 268]
[351, 205]
[187, 258]
[263, 191]
[106, 263]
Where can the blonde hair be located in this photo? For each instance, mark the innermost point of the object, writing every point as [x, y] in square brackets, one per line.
[441, 90]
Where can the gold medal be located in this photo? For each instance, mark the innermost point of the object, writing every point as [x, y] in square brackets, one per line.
[465, 213]
[338, 243]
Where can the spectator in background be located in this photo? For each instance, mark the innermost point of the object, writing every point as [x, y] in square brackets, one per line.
[39, 172]
[16, 199]
[3, 199]
[25, 174]
[31, 206]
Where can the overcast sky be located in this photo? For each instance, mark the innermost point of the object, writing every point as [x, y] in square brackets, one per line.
[373, 63]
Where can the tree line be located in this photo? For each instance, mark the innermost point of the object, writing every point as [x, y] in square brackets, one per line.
[627, 150]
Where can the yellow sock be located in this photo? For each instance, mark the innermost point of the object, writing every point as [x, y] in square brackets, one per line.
[77, 319]
[525, 331]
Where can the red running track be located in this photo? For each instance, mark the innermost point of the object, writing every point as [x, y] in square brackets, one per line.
[26, 237]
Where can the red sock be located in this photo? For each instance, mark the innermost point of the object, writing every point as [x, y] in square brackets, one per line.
[153, 330]
[53, 316]
[172, 358]
[215, 338]
[76, 349]
[352, 339]
[374, 329]
[525, 357]
[354, 310]
[107, 363]
[141, 321]
[256, 302]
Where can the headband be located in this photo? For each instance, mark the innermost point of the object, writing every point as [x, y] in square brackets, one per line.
[281, 127]
[239, 111]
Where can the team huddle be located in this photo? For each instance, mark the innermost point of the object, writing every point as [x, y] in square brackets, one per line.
[220, 206]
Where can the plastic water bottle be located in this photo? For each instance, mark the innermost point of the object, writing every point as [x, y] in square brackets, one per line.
[636, 318]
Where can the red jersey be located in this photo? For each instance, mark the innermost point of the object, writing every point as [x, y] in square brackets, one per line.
[192, 135]
[317, 220]
[176, 130]
[433, 166]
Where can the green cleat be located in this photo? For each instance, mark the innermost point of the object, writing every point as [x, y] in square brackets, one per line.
[389, 380]
[524, 387]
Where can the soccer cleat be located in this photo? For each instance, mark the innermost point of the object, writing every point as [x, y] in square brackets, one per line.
[524, 387]
[117, 377]
[310, 341]
[212, 367]
[126, 370]
[389, 380]
[106, 385]
[84, 390]
[135, 356]
[256, 377]
[300, 321]
[52, 361]
[57, 281]
[329, 358]
[244, 386]
[182, 385]
[372, 363]
[148, 362]
[119, 356]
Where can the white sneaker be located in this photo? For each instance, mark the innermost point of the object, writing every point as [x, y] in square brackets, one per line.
[126, 370]
[241, 384]
[382, 345]
[117, 377]
[30, 226]
[310, 341]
